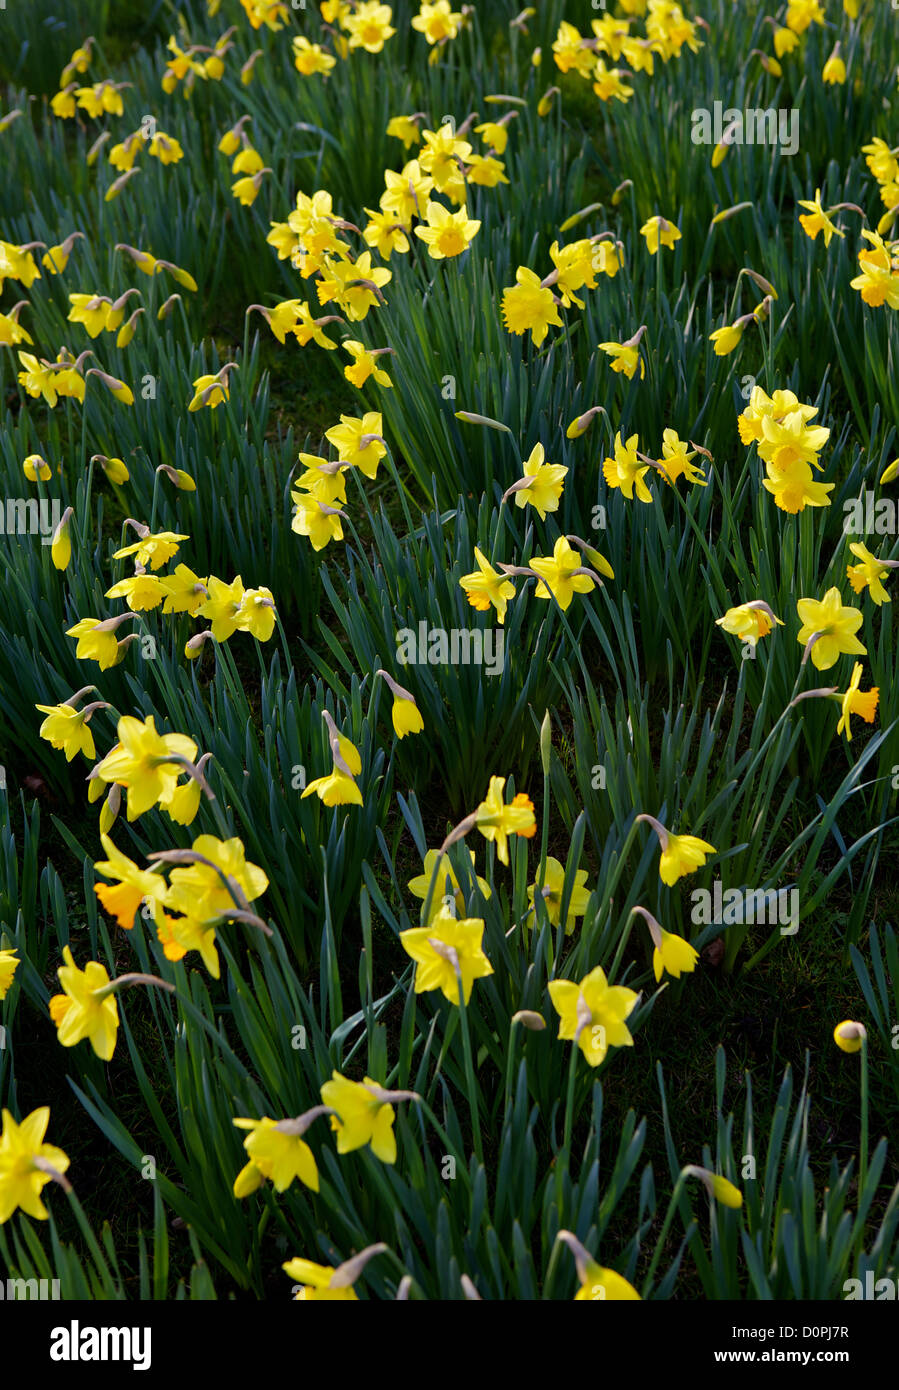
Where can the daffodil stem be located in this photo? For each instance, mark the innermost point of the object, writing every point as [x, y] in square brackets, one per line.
[544, 837]
[89, 481]
[510, 1063]
[85, 520]
[400, 489]
[663, 1234]
[863, 1149]
[552, 1267]
[498, 532]
[710, 555]
[569, 1102]
[563, 1160]
[541, 872]
[154, 500]
[628, 928]
[613, 883]
[87, 1231]
[469, 1075]
[443, 1137]
[429, 896]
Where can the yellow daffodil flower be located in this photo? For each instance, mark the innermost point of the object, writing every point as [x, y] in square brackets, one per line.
[561, 575]
[835, 626]
[448, 950]
[592, 1013]
[83, 1010]
[552, 892]
[24, 1163]
[485, 586]
[528, 305]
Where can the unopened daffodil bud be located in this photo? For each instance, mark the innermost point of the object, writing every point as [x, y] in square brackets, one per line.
[127, 330]
[471, 418]
[183, 481]
[672, 953]
[194, 645]
[849, 1035]
[118, 184]
[725, 340]
[61, 545]
[246, 72]
[681, 854]
[581, 423]
[718, 1187]
[117, 388]
[35, 467]
[534, 1022]
[405, 713]
[546, 738]
[56, 258]
[114, 469]
[110, 809]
